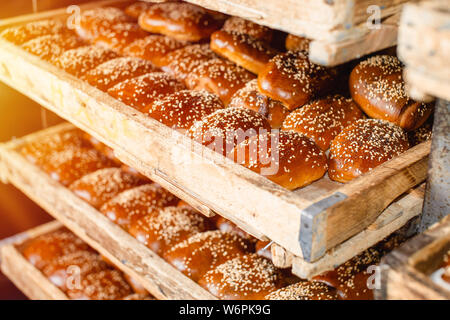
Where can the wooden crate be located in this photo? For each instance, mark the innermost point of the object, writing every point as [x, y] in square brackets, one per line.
[309, 221]
[406, 271]
[424, 46]
[22, 273]
[86, 221]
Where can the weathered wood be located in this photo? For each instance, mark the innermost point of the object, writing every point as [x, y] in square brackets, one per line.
[406, 271]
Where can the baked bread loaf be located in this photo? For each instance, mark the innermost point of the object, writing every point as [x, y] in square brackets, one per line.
[118, 36]
[247, 277]
[161, 230]
[296, 43]
[182, 21]
[305, 290]
[204, 251]
[377, 85]
[249, 97]
[289, 159]
[294, 80]
[239, 25]
[23, 33]
[112, 72]
[219, 76]
[102, 185]
[142, 91]
[225, 128]
[323, 119]
[130, 205]
[181, 109]
[52, 46]
[363, 146]
[153, 48]
[241, 48]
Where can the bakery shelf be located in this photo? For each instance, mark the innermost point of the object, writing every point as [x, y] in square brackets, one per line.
[22, 273]
[132, 257]
[406, 270]
[308, 222]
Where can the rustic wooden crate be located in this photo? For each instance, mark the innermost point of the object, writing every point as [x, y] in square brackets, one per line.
[406, 271]
[308, 222]
[22, 273]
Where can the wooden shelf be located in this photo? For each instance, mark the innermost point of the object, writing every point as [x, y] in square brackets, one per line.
[22, 273]
[406, 271]
[423, 45]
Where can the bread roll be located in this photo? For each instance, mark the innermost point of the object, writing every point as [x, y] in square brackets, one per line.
[323, 119]
[304, 290]
[223, 129]
[289, 159]
[363, 146]
[226, 226]
[142, 91]
[181, 109]
[51, 47]
[377, 85]
[239, 25]
[134, 10]
[296, 43]
[23, 33]
[249, 97]
[294, 80]
[119, 36]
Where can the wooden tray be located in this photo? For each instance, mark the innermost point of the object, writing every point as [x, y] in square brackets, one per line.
[406, 271]
[22, 273]
[307, 222]
[86, 221]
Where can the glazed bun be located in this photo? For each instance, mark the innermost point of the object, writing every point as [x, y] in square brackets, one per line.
[377, 85]
[204, 251]
[23, 33]
[161, 230]
[305, 290]
[239, 25]
[219, 76]
[182, 21]
[294, 80]
[80, 60]
[244, 50]
[181, 109]
[249, 97]
[226, 226]
[180, 63]
[323, 119]
[133, 204]
[289, 159]
[119, 36]
[51, 47]
[153, 48]
[101, 186]
[142, 91]
[296, 43]
[223, 129]
[363, 146]
[112, 72]
[134, 10]
[247, 277]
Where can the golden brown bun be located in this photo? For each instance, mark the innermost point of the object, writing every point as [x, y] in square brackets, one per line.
[140, 92]
[296, 43]
[112, 72]
[226, 226]
[135, 285]
[182, 21]
[294, 80]
[248, 277]
[153, 48]
[257, 31]
[262, 248]
[204, 251]
[289, 159]
[305, 290]
[134, 10]
[60, 270]
[80, 60]
[223, 129]
[242, 49]
[323, 119]
[102, 148]
[377, 85]
[51, 47]
[119, 36]
[363, 146]
[181, 109]
[219, 76]
[161, 230]
[102, 285]
[44, 249]
[137, 296]
[102, 185]
[180, 63]
[249, 97]
[23, 33]
[130, 205]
